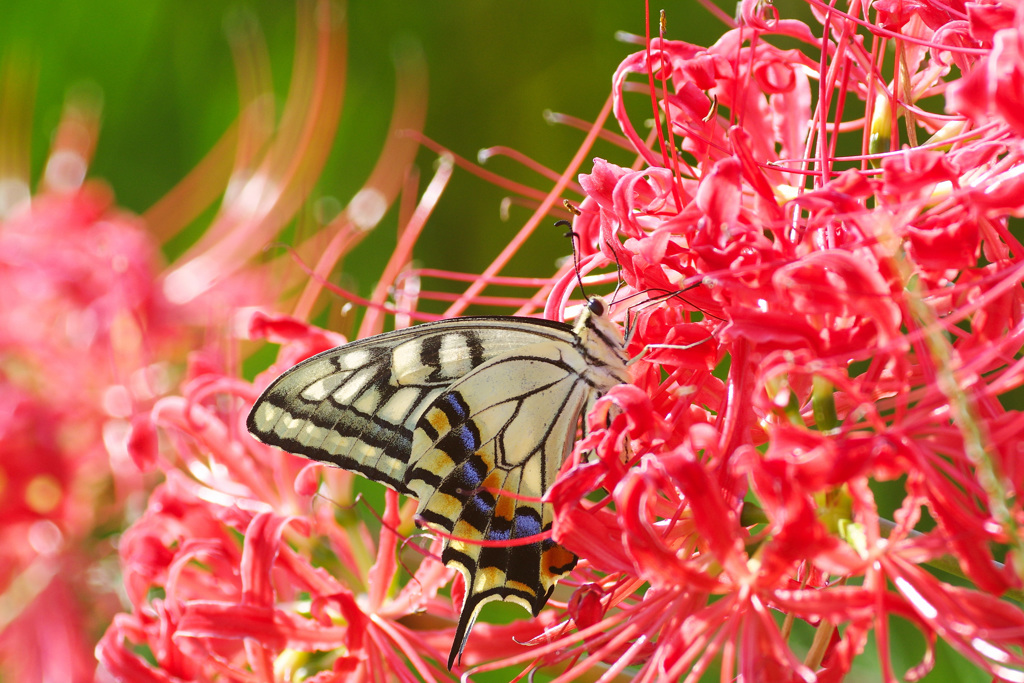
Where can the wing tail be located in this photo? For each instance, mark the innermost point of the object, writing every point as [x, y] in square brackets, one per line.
[470, 610]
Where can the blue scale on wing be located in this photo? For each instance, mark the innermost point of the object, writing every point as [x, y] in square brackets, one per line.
[444, 438]
[443, 506]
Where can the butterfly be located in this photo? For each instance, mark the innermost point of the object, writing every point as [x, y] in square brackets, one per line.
[471, 416]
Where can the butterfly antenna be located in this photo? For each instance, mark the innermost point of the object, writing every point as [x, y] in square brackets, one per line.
[575, 253]
[618, 286]
[618, 272]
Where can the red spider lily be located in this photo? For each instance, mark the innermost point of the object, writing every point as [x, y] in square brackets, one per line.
[234, 570]
[870, 309]
[80, 327]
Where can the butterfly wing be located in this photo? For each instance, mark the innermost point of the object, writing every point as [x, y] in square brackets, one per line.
[357, 406]
[484, 452]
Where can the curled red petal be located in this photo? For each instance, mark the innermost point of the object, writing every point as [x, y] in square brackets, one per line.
[718, 194]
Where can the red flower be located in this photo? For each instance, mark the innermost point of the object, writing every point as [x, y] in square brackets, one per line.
[78, 330]
[857, 312]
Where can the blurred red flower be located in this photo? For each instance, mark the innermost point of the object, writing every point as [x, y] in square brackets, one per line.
[96, 328]
[80, 334]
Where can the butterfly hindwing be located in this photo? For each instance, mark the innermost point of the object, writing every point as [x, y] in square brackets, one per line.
[473, 417]
[483, 454]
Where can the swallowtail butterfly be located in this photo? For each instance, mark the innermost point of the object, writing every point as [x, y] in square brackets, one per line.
[471, 416]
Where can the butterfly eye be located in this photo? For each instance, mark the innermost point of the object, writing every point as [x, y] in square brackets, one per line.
[596, 306]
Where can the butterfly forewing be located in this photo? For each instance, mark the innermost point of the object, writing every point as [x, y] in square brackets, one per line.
[356, 406]
[473, 417]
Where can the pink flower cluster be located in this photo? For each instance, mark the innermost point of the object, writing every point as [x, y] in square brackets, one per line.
[846, 319]
[80, 328]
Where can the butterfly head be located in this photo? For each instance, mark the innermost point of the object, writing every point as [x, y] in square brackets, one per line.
[601, 341]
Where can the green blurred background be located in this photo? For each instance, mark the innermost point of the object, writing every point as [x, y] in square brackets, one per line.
[169, 92]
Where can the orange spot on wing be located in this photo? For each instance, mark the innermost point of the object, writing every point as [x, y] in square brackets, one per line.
[493, 483]
[438, 420]
[556, 558]
[505, 508]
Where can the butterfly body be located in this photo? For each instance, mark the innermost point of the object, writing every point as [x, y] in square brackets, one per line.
[471, 416]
